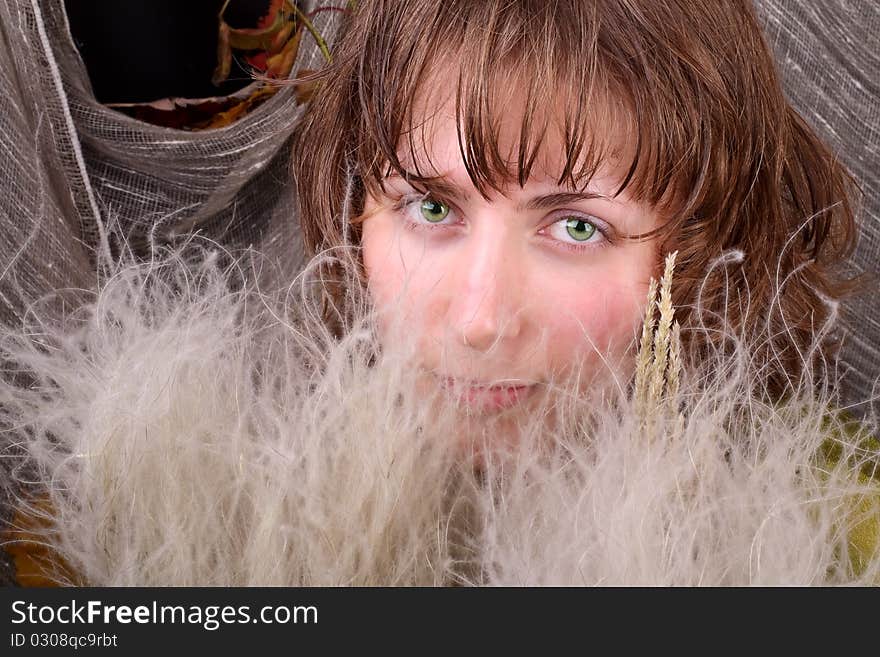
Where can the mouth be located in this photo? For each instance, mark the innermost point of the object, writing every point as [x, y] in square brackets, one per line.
[484, 396]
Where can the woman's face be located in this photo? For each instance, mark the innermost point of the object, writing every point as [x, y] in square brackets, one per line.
[503, 295]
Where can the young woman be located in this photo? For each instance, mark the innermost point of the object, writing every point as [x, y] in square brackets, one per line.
[515, 174]
[487, 189]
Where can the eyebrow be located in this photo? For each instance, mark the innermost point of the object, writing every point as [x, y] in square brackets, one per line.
[442, 186]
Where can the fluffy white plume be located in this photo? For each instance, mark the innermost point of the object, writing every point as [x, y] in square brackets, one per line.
[192, 431]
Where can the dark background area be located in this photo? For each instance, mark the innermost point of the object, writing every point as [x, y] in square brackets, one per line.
[144, 50]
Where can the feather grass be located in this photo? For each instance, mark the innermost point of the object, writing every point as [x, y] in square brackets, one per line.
[189, 428]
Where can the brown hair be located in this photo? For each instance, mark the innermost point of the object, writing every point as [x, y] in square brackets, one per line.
[718, 151]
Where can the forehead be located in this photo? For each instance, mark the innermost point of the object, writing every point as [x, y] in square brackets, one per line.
[509, 127]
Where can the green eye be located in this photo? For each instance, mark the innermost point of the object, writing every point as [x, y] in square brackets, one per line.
[579, 229]
[434, 211]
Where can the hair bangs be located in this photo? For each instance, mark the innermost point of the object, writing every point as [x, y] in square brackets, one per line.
[534, 91]
[681, 97]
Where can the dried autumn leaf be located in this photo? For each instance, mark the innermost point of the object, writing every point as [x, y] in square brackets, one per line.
[270, 47]
[279, 65]
[257, 38]
[224, 56]
[227, 117]
[270, 36]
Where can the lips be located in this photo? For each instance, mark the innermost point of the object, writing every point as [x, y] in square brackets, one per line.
[488, 397]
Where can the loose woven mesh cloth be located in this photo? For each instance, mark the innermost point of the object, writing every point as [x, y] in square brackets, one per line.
[69, 166]
[828, 52]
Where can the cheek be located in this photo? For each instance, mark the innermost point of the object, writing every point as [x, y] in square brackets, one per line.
[604, 316]
[402, 277]
[376, 250]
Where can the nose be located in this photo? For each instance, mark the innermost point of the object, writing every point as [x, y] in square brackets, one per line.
[483, 310]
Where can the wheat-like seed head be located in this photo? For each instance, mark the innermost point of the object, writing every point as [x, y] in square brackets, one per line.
[658, 364]
[643, 360]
